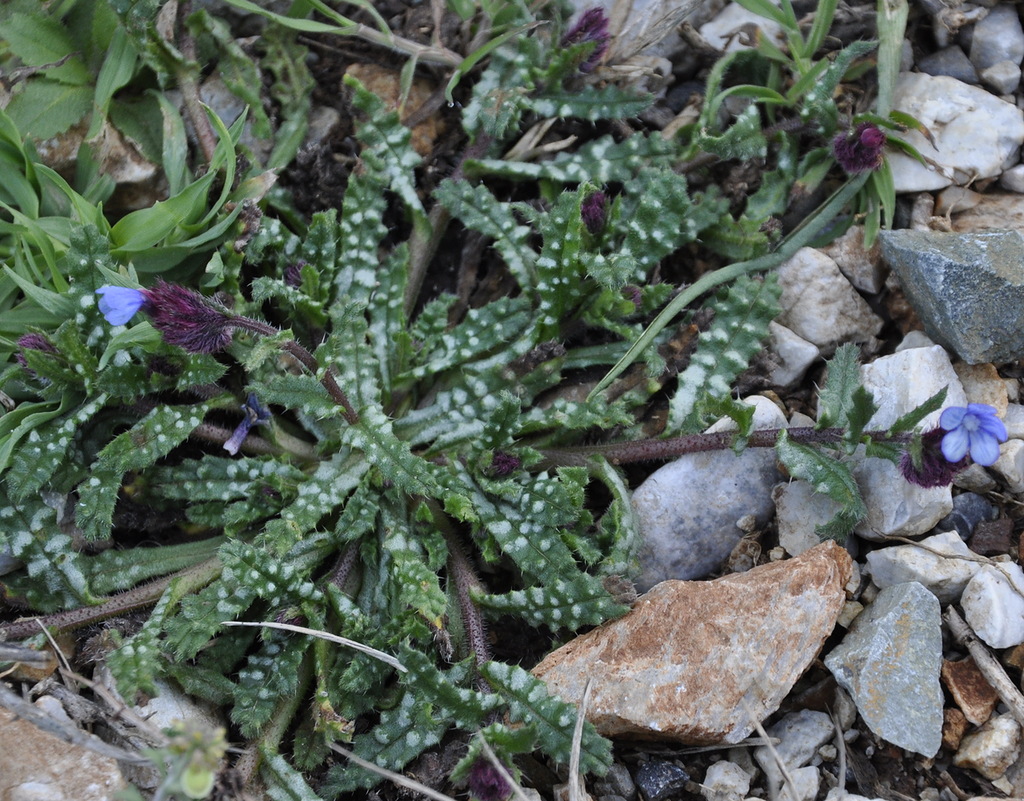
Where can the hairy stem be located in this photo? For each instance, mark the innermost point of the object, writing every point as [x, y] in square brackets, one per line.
[461, 573]
[646, 450]
[189, 85]
[135, 598]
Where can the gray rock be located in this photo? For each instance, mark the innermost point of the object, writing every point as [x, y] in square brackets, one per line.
[805, 784]
[889, 662]
[725, 781]
[949, 61]
[800, 735]
[1003, 77]
[658, 780]
[8, 564]
[945, 576]
[795, 354]
[819, 303]
[799, 510]
[969, 509]
[993, 604]
[968, 289]
[688, 510]
[998, 37]
[616, 781]
[976, 134]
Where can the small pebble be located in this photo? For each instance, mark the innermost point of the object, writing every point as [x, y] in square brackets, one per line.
[1003, 77]
[998, 37]
[616, 781]
[725, 781]
[992, 537]
[950, 61]
[969, 509]
[1013, 179]
[993, 604]
[992, 748]
[659, 780]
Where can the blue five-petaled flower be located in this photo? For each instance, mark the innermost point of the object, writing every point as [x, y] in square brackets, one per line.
[119, 303]
[975, 428]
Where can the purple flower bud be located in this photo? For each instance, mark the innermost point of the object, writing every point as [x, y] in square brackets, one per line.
[632, 293]
[592, 26]
[255, 415]
[184, 317]
[593, 213]
[861, 149]
[293, 273]
[486, 784]
[504, 463]
[33, 342]
[934, 469]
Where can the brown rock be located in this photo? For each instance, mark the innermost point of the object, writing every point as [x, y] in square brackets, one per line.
[692, 660]
[387, 85]
[954, 725]
[992, 537]
[969, 688]
[35, 764]
[1015, 656]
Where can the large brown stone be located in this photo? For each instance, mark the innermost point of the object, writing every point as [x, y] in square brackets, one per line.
[691, 658]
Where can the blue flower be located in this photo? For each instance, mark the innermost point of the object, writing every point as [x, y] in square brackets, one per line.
[255, 415]
[976, 428]
[119, 303]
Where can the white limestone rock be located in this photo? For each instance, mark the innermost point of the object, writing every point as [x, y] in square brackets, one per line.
[903, 381]
[1014, 420]
[897, 508]
[993, 604]
[725, 781]
[945, 576]
[991, 749]
[795, 354]
[864, 267]
[819, 303]
[800, 734]
[997, 37]
[1010, 464]
[977, 135]
[723, 32]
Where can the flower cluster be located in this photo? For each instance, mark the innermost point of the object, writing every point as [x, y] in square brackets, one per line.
[486, 782]
[592, 26]
[593, 211]
[184, 317]
[860, 149]
[974, 429]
